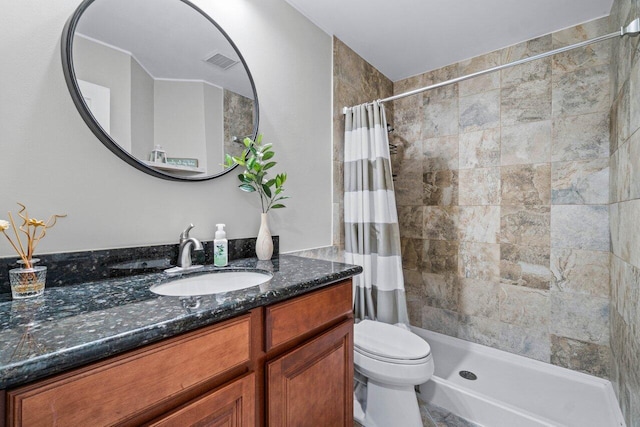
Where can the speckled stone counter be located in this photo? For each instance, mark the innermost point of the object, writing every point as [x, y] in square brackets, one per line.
[71, 326]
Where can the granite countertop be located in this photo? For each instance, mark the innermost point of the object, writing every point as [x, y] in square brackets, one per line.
[70, 326]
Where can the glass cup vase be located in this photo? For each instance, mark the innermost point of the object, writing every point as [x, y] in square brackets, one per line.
[27, 282]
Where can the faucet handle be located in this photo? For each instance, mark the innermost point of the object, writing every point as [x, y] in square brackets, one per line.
[185, 234]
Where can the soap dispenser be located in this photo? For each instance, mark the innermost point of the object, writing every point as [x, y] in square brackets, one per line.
[220, 247]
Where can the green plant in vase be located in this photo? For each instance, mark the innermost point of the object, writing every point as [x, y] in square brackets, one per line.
[257, 160]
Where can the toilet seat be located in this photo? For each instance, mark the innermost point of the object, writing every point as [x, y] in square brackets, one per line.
[391, 344]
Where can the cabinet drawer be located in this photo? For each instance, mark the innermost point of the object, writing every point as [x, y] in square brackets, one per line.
[292, 319]
[231, 405]
[111, 391]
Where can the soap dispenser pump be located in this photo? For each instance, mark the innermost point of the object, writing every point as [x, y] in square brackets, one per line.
[220, 247]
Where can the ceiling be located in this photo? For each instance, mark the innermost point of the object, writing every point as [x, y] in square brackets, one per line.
[403, 38]
[170, 39]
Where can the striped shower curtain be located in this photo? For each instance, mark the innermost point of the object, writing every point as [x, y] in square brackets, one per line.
[372, 236]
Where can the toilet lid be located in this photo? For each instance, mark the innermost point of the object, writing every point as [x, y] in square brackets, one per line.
[388, 341]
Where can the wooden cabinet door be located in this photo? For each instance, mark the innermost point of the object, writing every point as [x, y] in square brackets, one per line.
[312, 385]
[232, 405]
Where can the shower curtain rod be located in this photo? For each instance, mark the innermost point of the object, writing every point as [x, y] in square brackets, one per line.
[633, 29]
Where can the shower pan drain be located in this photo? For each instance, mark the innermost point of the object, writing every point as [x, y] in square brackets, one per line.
[468, 375]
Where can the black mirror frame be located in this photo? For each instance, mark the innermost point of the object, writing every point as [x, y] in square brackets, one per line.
[72, 83]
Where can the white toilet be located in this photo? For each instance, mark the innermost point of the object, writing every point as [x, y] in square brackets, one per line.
[394, 360]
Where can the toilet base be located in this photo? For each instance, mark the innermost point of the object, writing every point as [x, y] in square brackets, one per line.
[389, 405]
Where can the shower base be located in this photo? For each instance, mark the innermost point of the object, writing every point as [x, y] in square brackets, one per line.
[512, 390]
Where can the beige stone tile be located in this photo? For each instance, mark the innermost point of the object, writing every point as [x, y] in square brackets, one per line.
[580, 137]
[525, 225]
[442, 290]
[524, 306]
[526, 102]
[625, 295]
[480, 111]
[408, 184]
[438, 76]
[411, 219]
[440, 118]
[582, 32]
[634, 98]
[482, 83]
[526, 266]
[629, 232]
[440, 320]
[526, 184]
[581, 92]
[440, 153]
[580, 182]
[414, 286]
[580, 317]
[480, 224]
[479, 298]
[623, 116]
[580, 227]
[480, 149]
[592, 359]
[536, 70]
[410, 83]
[440, 222]
[479, 261]
[440, 188]
[480, 186]
[580, 271]
[526, 143]
[439, 257]
[531, 341]
[634, 166]
[412, 253]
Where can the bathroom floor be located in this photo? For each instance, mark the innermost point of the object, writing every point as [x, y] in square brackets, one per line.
[441, 417]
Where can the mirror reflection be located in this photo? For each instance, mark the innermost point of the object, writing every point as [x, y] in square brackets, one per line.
[163, 82]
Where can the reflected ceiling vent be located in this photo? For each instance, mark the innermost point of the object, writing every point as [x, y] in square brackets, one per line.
[221, 61]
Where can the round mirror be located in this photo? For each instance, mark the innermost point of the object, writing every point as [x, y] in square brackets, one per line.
[160, 84]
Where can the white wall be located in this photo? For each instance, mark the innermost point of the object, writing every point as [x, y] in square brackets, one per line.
[107, 67]
[141, 111]
[54, 164]
[179, 125]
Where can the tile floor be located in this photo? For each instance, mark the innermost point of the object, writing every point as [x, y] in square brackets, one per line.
[440, 416]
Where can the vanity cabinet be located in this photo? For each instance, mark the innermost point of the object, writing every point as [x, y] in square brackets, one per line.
[287, 364]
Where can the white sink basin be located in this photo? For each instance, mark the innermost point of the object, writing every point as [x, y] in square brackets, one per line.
[212, 283]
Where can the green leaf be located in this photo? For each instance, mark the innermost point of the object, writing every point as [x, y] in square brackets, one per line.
[278, 181]
[259, 139]
[238, 160]
[278, 206]
[251, 162]
[248, 177]
[267, 155]
[247, 187]
[247, 142]
[269, 165]
[242, 178]
[266, 190]
[270, 183]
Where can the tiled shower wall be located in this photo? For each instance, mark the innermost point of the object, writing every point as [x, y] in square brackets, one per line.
[502, 195]
[503, 190]
[625, 215]
[355, 82]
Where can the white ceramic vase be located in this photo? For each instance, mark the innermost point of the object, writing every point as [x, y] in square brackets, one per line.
[264, 243]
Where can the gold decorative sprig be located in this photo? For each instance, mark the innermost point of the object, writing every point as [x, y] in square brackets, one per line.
[33, 229]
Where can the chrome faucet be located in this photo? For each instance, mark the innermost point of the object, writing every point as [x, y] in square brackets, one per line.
[186, 245]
